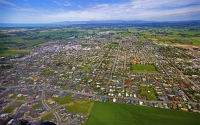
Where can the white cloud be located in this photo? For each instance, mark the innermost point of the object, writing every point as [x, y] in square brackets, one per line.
[7, 3]
[134, 10]
[18, 8]
[61, 3]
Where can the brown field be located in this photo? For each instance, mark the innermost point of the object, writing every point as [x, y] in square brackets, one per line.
[181, 46]
[186, 46]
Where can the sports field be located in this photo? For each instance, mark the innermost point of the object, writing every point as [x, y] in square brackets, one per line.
[146, 68]
[148, 92]
[123, 114]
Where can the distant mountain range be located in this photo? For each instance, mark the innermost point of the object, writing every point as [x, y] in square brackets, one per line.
[106, 22]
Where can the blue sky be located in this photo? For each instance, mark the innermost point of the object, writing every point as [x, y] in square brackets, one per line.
[48, 11]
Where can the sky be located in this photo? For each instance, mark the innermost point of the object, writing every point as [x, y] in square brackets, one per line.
[49, 11]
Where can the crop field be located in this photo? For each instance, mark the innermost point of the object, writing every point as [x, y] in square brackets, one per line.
[13, 52]
[27, 37]
[123, 114]
[167, 35]
[143, 68]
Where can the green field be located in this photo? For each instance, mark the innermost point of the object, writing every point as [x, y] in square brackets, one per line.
[146, 68]
[65, 100]
[13, 52]
[80, 106]
[111, 45]
[122, 114]
[46, 72]
[85, 68]
[18, 104]
[47, 117]
[14, 96]
[75, 105]
[26, 37]
[21, 98]
[9, 110]
[148, 92]
[37, 105]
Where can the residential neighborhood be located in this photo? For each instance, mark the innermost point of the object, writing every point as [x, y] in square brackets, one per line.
[53, 81]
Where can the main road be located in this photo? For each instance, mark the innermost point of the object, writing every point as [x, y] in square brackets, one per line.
[51, 110]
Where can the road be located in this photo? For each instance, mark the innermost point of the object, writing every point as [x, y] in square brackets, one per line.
[125, 61]
[137, 99]
[113, 67]
[49, 109]
[185, 76]
[97, 97]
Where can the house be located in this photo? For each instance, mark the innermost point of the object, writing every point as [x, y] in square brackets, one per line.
[50, 100]
[114, 99]
[4, 115]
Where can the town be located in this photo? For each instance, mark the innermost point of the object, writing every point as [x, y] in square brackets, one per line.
[53, 81]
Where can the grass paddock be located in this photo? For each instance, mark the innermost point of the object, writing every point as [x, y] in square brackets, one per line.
[123, 114]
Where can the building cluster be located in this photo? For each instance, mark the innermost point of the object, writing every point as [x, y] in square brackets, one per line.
[121, 70]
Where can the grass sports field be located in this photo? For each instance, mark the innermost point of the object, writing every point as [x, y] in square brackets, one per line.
[147, 68]
[148, 92]
[122, 114]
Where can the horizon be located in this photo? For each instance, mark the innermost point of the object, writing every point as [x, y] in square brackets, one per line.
[145, 21]
[53, 11]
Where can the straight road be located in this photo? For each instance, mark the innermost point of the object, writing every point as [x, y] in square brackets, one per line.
[113, 67]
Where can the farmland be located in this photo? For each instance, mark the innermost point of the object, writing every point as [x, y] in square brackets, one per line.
[17, 40]
[171, 35]
[23, 38]
[121, 114]
[13, 52]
